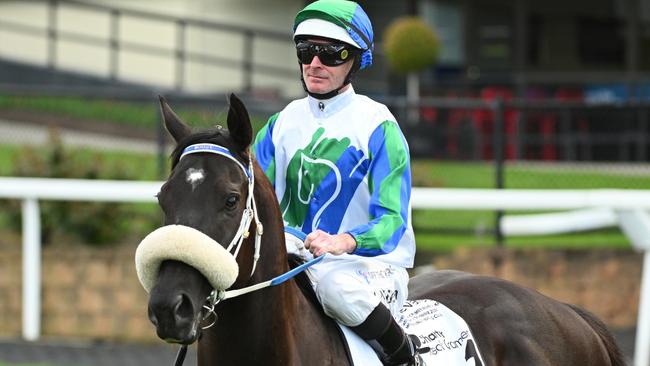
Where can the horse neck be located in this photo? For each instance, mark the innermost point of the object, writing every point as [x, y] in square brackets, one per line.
[279, 323]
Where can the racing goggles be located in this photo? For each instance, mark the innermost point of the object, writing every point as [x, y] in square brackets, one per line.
[329, 54]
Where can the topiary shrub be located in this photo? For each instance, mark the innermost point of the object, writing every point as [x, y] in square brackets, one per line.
[410, 44]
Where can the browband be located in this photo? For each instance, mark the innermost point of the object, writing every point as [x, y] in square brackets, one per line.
[214, 149]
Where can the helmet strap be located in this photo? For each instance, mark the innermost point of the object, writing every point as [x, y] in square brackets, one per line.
[335, 92]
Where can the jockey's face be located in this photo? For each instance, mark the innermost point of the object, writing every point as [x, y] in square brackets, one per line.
[320, 78]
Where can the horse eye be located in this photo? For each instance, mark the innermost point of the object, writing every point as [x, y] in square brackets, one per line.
[231, 201]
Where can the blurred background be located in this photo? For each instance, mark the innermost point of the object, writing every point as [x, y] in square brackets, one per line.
[506, 94]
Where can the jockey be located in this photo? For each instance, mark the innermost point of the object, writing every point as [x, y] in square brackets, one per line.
[340, 167]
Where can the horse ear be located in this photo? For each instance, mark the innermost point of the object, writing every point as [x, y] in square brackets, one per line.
[239, 123]
[176, 127]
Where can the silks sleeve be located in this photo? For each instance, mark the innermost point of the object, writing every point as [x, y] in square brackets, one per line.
[264, 149]
[389, 183]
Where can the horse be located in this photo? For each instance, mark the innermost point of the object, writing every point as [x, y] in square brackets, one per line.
[284, 325]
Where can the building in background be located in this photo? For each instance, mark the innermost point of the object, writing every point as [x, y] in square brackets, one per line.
[599, 49]
[193, 46]
[592, 52]
[556, 49]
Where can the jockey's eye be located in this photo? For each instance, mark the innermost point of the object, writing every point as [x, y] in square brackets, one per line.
[231, 201]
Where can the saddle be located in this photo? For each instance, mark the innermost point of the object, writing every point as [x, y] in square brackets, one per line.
[445, 335]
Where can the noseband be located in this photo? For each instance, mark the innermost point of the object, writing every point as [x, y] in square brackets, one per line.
[187, 235]
[249, 213]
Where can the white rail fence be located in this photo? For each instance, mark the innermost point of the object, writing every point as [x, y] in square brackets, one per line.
[590, 209]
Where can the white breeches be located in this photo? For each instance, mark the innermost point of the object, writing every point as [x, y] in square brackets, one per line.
[350, 289]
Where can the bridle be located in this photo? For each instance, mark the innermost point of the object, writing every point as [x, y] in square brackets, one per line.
[248, 215]
[250, 212]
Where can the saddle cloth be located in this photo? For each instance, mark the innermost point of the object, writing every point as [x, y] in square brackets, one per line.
[447, 335]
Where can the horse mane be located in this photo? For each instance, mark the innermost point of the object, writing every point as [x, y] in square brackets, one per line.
[217, 135]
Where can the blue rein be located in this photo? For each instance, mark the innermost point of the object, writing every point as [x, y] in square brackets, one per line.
[281, 278]
[217, 296]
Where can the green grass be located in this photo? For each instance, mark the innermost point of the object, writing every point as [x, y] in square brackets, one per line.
[446, 174]
[7, 155]
[440, 230]
[136, 166]
[145, 114]
[86, 109]
[436, 230]
[443, 230]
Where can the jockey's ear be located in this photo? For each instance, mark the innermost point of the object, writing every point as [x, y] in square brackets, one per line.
[176, 127]
[239, 123]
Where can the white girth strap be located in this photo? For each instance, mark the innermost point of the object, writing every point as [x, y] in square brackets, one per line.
[250, 212]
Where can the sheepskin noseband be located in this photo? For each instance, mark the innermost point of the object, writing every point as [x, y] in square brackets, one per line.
[187, 245]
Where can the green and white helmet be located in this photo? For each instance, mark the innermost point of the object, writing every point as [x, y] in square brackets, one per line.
[340, 20]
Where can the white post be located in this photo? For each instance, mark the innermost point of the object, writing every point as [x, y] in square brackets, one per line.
[642, 342]
[413, 98]
[31, 270]
[635, 224]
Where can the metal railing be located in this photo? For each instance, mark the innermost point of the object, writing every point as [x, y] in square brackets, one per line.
[519, 129]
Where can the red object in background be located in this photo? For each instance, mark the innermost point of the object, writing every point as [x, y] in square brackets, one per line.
[547, 130]
[542, 123]
[454, 121]
[484, 121]
[429, 114]
[569, 94]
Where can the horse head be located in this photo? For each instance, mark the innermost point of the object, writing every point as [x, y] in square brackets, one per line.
[208, 211]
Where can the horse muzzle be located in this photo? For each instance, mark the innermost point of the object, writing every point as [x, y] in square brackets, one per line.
[179, 266]
[175, 317]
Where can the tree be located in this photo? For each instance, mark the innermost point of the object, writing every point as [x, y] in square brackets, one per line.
[411, 45]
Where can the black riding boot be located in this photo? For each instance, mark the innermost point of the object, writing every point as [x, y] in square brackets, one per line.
[398, 347]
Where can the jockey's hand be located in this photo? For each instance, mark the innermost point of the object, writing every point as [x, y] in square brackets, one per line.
[320, 242]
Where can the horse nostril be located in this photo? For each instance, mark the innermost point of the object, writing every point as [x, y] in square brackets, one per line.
[184, 308]
[152, 317]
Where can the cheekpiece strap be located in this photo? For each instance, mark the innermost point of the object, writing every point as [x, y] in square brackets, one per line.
[215, 149]
[250, 213]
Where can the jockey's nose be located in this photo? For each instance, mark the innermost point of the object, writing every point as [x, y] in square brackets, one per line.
[315, 62]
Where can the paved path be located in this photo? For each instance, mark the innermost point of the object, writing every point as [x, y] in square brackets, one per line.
[88, 354]
[12, 132]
